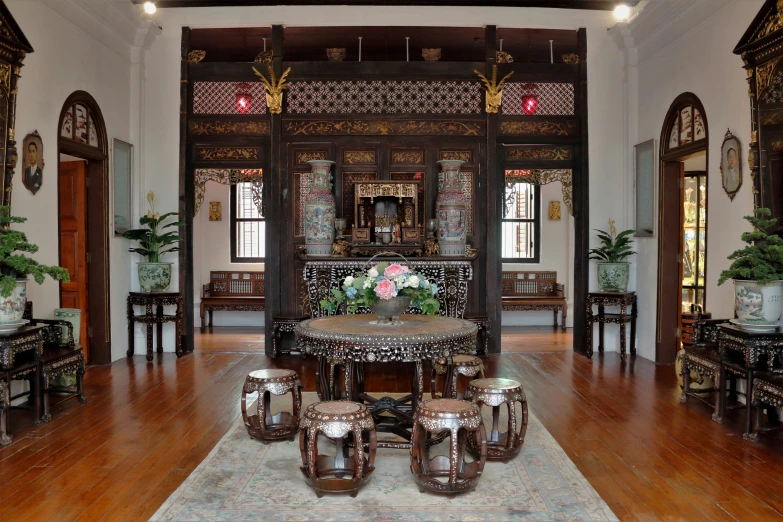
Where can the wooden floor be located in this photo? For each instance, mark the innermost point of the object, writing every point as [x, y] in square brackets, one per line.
[147, 426]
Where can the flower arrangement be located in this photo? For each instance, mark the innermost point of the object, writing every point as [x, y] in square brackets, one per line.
[384, 281]
[152, 240]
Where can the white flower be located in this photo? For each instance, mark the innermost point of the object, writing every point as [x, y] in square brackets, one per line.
[413, 281]
[399, 282]
[424, 284]
[372, 273]
[367, 284]
[348, 281]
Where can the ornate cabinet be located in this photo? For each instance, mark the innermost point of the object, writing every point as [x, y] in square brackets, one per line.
[694, 239]
[13, 49]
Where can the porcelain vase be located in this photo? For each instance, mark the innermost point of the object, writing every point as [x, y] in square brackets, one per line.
[73, 316]
[613, 277]
[451, 208]
[12, 307]
[698, 381]
[154, 277]
[390, 310]
[320, 211]
[758, 304]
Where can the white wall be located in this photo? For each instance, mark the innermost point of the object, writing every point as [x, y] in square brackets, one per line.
[66, 60]
[700, 61]
[608, 185]
[557, 253]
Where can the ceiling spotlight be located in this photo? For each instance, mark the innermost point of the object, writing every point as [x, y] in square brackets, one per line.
[622, 12]
[149, 8]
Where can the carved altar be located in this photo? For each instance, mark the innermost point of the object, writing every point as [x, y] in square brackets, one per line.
[390, 207]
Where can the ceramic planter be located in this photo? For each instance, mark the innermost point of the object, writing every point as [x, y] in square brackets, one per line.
[390, 310]
[73, 316]
[154, 276]
[12, 307]
[758, 304]
[320, 211]
[451, 208]
[698, 381]
[613, 277]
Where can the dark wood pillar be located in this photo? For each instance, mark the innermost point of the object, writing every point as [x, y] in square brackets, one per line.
[581, 201]
[494, 263]
[186, 195]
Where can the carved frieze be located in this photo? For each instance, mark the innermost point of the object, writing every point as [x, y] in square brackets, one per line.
[359, 157]
[228, 128]
[539, 153]
[407, 157]
[395, 189]
[228, 153]
[463, 155]
[302, 157]
[539, 128]
[383, 127]
[764, 76]
[771, 117]
[571, 58]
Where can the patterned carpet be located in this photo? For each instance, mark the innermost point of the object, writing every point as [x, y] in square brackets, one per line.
[244, 480]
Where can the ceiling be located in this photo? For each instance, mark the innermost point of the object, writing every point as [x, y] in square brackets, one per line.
[562, 4]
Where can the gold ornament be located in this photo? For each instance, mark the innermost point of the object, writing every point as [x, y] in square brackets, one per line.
[274, 89]
[196, 56]
[571, 58]
[554, 211]
[494, 89]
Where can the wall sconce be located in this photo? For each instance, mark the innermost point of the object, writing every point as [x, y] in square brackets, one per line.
[244, 98]
[530, 99]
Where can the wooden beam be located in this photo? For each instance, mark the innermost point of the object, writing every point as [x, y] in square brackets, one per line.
[604, 5]
[187, 192]
[493, 262]
[581, 200]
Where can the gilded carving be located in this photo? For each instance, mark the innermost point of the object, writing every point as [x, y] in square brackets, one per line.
[227, 153]
[546, 176]
[539, 128]
[571, 58]
[539, 153]
[395, 189]
[301, 158]
[228, 177]
[407, 157]
[771, 117]
[228, 128]
[764, 76]
[196, 56]
[263, 57]
[359, 157]
[776, 144]
[5, 76]
[383, 127]
[349, 179]
[274, 89]
[773, 23]
[494, 89]
[462, 155]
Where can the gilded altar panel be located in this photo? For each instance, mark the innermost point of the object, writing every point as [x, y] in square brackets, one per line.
[407, 157]
[383, 128]
[301, 157]
[540, 153]
[422, 187]
[228, 128]
[539, 128]
[302, 183]
[364, 157]
[349, 179]
[465, 155]
[228, 153]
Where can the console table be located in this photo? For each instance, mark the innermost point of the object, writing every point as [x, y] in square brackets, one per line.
[25, 339]
[153, 304]
[603, 299]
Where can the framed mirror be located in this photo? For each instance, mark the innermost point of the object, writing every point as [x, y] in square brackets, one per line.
[122, 165]
[644, 167]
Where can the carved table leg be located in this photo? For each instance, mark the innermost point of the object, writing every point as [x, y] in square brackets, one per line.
[276, 339]
[563, 315]
[554, 312]
[5, 399]
[589, 336]
[633, 327]
[131, 318]
[79, 384]
[721, 391]
[755, 410]
[622, 332]
[210, 317]
[46, 416]
[686, 381]
[178, 326]
[600, 328]
[148, 317]
[748, 435]
[201, 315]
[159, 326]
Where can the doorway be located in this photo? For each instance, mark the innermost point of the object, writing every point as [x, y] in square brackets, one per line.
[83, 224]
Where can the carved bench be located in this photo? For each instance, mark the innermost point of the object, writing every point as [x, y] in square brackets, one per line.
[524, 291]
[232, 291]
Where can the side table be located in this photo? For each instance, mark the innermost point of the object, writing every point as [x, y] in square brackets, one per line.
[156, 301]
[603, 299]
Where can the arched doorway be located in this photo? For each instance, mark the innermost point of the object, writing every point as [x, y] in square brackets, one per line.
[682, 220]
[83, 224]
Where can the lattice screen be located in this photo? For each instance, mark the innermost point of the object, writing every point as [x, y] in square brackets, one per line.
[554, 99]
[383, 97]
[220, 98]
[774, 92]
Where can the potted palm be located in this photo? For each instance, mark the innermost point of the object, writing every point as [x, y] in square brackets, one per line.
[16, 268]
[613, 269]
[757, 272]
[154, 242]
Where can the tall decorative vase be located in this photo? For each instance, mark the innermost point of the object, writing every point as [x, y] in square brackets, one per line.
[451, 208]
[320, 211]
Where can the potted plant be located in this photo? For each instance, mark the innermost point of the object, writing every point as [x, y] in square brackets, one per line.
[757, 271]
[154, 242]
[15, 268]
[387, 289]
[615, 248]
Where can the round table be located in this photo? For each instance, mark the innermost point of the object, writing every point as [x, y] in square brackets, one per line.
[354, 340]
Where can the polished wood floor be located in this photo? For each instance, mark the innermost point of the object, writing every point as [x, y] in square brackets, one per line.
[147, 426]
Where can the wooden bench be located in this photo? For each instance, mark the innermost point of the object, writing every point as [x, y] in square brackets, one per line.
[232, 291]
[524, 291]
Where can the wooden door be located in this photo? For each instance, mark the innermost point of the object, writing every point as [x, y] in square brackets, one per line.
[73, 241]
[669, 262]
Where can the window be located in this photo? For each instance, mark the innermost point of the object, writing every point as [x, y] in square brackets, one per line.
[248, 229]
[521, 223]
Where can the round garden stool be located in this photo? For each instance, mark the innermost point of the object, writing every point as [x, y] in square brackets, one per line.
[332, 367]
[263, 425]
[494, 393]
[467, 365]
[462, 421]
[350, 426]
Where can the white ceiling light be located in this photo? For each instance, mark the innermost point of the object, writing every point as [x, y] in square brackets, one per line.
[622, 12]
[149, 8]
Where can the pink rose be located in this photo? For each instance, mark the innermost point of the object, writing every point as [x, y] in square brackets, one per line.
[385, 289]
[394, 270]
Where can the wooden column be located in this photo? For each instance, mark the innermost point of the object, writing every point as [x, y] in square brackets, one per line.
[187, 193]
[581, 201]
[494, 263]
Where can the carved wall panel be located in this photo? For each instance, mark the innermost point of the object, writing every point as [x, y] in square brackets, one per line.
[539, 128]
[228, 128]
[220, 98]
[364, 157]
[541, 153]
[349, 179]
[302, 157]
[207, 153]
[302, 183]
[383, 127]
[466, 181]
[554, 99]
[421, 178]
[407, 157]
[454, 154]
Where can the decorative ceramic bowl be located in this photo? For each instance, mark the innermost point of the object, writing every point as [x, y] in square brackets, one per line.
[431, 55]
[335, 54]
[390, 310]
[757, 304]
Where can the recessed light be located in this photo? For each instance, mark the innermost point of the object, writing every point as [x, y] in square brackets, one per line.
[622, 12]
[149, 7]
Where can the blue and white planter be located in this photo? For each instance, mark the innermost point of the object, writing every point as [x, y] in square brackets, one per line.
[613, 277]
[757, 304]
[12, 307]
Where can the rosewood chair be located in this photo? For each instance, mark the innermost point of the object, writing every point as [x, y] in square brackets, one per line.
[767, 391]
[26, 368]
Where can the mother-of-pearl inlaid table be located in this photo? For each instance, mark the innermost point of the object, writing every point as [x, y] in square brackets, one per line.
[355, 339]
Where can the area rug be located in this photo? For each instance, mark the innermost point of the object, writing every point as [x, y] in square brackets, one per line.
[244, 480]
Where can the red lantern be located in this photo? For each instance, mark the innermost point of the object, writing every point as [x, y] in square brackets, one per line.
[244, 98]
[530, 99]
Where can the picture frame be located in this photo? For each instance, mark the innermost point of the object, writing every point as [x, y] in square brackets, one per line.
[644, 187]
[32, 162]
[731, 164]
[122, 168]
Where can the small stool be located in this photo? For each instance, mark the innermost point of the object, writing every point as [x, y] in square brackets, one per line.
[263, 425]
[348, 424]
[467, 365]
[333, 393]
[463, 420]
[494, 393]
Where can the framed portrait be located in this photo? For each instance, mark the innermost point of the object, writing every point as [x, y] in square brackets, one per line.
[122, 164]
[644, 167]
[32, 162]
[731, 164]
